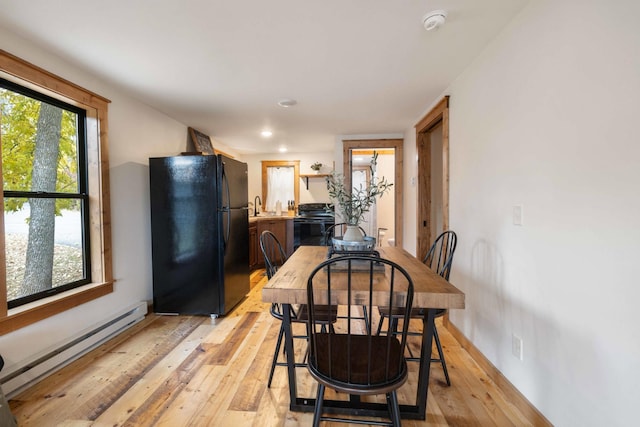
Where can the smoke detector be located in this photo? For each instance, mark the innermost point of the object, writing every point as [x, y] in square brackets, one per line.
[434, 20]
[286, 103]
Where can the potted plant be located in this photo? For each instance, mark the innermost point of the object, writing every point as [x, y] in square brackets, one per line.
[353, 204]
[316, 167]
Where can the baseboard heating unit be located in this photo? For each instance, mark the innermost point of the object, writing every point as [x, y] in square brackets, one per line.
[15, 379]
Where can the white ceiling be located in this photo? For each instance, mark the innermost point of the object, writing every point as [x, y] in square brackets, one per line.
[354, 66]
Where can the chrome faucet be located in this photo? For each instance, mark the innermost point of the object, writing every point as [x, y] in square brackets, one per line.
[256, 200]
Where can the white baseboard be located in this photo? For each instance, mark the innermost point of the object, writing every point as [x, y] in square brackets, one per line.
[15, 379]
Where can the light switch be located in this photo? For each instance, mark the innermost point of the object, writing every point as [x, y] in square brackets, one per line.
[517, 214]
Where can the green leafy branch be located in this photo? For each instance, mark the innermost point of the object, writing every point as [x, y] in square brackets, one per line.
[354, 203]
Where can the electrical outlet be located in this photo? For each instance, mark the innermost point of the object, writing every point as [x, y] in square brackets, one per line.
[517, 346]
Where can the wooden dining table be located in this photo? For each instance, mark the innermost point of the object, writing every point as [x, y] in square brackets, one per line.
[289, 287]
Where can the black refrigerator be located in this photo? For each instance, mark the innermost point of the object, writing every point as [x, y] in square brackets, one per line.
[199, 234]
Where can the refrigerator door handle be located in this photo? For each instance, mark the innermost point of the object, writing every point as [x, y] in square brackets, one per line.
[228, 230]
[226, 209]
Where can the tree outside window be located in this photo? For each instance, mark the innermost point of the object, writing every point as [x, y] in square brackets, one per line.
[45, 195]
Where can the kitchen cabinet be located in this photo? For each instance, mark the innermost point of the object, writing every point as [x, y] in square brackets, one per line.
[281, 227]
[255, 256]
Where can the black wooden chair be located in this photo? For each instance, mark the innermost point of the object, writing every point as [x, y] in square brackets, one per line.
[350, 358]
[274, 257]
[338, 230]
[439, 259]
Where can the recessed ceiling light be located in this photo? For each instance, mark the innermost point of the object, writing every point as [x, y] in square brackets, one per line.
[266, 133]
[286, 103]
[282, 149]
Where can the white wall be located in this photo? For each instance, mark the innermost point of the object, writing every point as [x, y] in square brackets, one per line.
[136, 132]
[547, 117]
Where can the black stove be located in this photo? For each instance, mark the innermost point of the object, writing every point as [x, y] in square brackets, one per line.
[311, 223]
[315, 210]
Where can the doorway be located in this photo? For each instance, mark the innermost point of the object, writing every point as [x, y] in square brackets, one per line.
[387, 227]
[432, 148]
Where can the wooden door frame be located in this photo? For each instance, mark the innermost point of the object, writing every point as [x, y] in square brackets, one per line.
[438, 115]
[396, 144]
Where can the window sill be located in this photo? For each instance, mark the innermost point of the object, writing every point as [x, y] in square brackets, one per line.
[28, 314]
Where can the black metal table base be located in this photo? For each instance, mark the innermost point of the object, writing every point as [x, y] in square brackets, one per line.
[355, 406]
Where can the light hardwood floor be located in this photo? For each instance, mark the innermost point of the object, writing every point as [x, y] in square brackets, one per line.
[195, 371]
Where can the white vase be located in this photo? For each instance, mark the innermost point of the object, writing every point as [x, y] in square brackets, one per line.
[353, 234]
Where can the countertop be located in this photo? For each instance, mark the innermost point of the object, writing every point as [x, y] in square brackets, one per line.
[262, 217]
